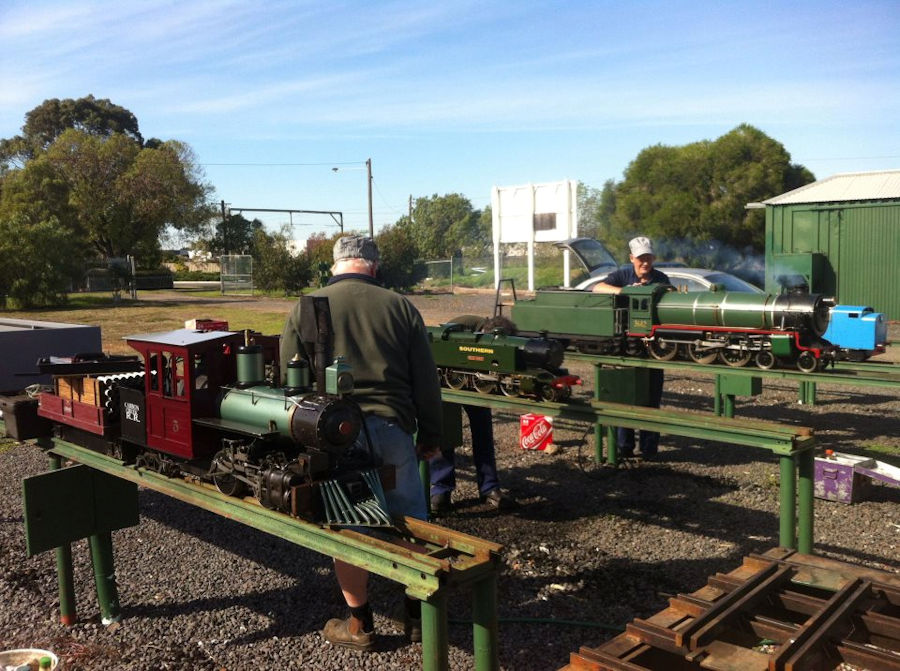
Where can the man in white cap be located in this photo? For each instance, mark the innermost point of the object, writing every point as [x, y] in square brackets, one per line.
[641, 271]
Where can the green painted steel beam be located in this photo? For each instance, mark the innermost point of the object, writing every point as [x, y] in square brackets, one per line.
[779, 438]
[861, 375]
[423, 575]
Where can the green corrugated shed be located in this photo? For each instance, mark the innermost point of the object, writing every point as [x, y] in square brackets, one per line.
[842, 234]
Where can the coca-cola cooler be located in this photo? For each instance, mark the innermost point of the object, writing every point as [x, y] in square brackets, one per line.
[535, 431]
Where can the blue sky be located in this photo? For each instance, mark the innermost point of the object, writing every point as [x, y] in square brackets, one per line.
[459, 96]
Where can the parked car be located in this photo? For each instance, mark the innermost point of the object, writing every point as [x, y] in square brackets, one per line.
[599, 263]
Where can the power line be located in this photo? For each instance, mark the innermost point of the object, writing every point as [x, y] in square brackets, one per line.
[280, 165]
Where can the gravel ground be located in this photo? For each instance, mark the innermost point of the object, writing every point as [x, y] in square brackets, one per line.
[587, 550]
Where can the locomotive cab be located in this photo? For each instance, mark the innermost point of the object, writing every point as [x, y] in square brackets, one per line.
[642, 301]
[184, 371]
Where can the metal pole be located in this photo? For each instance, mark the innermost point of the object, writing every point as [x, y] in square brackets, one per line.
[434, 633]
[64, 572]
[787, 536]
[105, 577]
[371, 224]
[806, 469]
[729, 405]
[484, 624]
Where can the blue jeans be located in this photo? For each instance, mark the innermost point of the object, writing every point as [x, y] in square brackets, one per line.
[649, 440]
[443, 468]
[395, 446]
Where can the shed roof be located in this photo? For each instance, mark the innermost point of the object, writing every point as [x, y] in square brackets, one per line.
[847, 186]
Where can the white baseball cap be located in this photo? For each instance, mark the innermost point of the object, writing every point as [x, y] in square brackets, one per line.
[640, 246]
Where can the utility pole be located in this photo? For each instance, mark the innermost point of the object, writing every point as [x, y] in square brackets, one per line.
[224, 228]
[371, 223]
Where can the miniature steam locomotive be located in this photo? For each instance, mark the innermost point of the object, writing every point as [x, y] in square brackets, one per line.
[733, 327]
[199, 404]
[491, 362]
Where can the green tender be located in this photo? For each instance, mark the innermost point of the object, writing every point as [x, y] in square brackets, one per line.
[553, 311]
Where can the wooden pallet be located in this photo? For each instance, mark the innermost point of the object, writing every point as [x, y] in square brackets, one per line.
[778, 611]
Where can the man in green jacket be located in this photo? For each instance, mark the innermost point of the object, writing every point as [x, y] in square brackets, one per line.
[382, 336]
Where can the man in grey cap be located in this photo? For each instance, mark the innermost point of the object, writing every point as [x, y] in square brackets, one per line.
[382, 336]
[641, 271]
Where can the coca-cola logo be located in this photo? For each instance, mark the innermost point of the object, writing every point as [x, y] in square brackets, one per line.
[530, 441]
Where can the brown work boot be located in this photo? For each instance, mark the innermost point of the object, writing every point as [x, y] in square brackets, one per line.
[348, 634]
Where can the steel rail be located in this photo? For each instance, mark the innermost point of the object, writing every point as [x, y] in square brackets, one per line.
[793, 445]
[446, 557]
[781, 439]
[423, 574]
[844, 373]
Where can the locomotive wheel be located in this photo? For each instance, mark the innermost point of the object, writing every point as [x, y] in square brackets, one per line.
[561, 395]
[229, 485]
[765, 360]
[509, 387]
[634, 347]
[548, 393]
[735, 357]
[703, 356]
[455, 380]
[484, 386]
[807, 362]
[662, 350]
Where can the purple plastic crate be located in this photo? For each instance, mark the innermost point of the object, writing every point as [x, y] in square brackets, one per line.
[837, 480]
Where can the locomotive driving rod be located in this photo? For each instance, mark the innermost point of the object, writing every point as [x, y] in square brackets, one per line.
[792, 444]
[446, 558]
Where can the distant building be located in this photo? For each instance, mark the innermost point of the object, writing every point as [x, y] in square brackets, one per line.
[841, 235]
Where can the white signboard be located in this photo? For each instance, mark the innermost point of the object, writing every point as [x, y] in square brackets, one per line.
[534, 213]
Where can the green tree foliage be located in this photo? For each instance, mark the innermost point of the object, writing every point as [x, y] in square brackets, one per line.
[699, 191]
[274, 267]
[399, 268]
[47, 121]
[235, 235]
[443, 225]
[39, 261]
[320, 250]
[83, 163]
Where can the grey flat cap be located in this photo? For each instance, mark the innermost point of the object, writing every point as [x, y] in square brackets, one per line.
[355, 247]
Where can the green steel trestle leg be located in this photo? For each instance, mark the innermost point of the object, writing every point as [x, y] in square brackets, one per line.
[806, 469]
[484, 624]
[612, 454]
[64, 571]
[787, 537]
[435, 646]
[598, 444]
[105, 577]
[796, 503]
[723, 404]
[807, 393]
